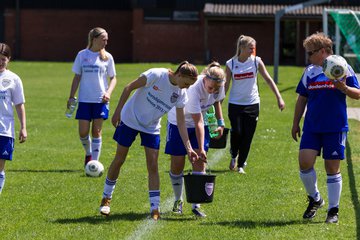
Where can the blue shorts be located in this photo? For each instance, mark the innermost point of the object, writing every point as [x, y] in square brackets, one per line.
[125, 136]
[175, 145]
[332, 144]
[89, 111]
[6, 148]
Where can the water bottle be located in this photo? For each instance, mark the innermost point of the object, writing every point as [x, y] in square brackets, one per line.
[70, 110]
[211, 121]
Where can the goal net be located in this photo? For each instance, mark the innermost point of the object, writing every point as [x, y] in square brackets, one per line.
[343, 26]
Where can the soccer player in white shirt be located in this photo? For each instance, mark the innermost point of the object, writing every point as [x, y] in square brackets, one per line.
[157, 91]
[244, 99]
[207, 91]
[92, 67]
[11, 94]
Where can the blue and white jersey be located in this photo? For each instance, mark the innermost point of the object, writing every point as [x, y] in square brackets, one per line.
[326, 105]
[94, 73]
[144, 109]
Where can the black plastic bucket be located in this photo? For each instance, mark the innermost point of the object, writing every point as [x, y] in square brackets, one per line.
[221, 142]
[199, 188]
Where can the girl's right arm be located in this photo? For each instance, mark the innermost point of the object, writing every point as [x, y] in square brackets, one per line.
[74, 87]
[299, 111]
[138, 83]
[180, 121]
[200, 134]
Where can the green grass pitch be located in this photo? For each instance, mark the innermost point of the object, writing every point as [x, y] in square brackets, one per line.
[48, 196]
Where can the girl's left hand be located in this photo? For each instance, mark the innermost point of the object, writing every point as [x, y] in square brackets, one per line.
[220, 131]
[106, 98]
[202, 156]
[281, 104]
[22, 135]
[340, 83]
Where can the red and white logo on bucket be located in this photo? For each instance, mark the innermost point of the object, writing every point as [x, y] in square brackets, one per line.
[209, 188]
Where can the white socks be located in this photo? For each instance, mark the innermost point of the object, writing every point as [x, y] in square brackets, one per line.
[92, 146]
[154, 197]
[334, 185]
[109, 188]
[177, 182]
[96, 148]
[86, 142]
[308, 177]
[2, 180]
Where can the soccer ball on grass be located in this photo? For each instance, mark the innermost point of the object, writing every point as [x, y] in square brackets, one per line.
[335, 67]
[94, 168]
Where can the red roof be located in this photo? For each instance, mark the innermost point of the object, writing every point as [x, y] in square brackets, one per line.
[257, 10]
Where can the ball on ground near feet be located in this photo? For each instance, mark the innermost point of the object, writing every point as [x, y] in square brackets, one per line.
[335, 67]
[94, 168]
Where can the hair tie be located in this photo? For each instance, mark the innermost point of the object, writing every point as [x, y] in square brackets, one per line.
[219, 80]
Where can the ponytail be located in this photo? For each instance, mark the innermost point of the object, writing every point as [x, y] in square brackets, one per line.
[243, 41]
[187, 69]
[95, 33]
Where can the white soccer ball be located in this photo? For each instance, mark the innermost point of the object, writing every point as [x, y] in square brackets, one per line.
[94, 168]
[335, 67]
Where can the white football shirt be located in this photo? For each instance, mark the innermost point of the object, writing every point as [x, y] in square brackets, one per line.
[11, 93]
[144, 109]
[244, 89]
[94, 73]
[199, 102]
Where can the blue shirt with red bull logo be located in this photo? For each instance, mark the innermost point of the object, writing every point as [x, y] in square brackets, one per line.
[326, 105]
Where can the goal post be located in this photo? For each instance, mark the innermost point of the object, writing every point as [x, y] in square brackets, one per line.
[343, 26]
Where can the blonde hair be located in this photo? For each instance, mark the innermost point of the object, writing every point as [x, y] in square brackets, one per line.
[95, 33]
[243, 41]
[214, 72]
[187, 69]
[319, 40]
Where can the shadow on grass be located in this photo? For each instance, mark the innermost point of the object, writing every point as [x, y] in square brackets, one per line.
[286, 89]
[129, 216]
[207, 171]
[254, 224]
[222, 171]
[166, 217]
[353, 190]
[45, 170]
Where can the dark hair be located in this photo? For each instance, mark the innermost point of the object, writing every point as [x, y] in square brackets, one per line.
[5, 50]
[187, 69]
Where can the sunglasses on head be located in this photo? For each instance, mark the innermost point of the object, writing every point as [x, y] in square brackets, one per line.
[310, 53]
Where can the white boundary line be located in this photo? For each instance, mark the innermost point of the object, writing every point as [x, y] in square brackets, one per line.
[353, 113]
[147, 226]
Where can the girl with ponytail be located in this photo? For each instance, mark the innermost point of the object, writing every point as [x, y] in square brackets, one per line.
[95, 76]
[244, 99]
